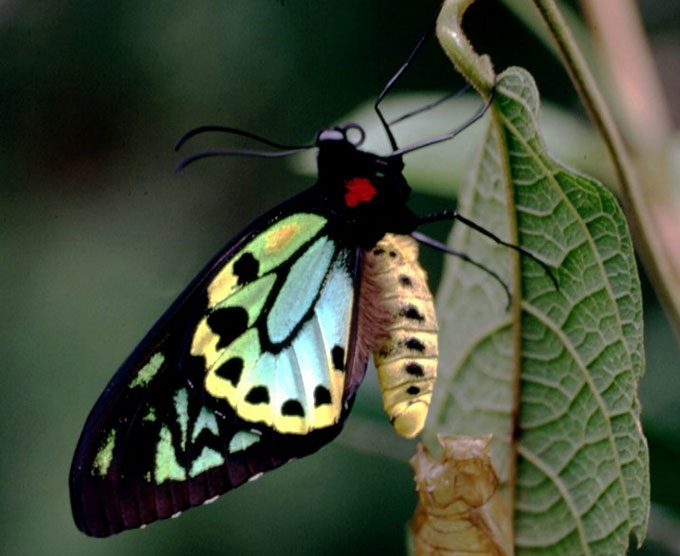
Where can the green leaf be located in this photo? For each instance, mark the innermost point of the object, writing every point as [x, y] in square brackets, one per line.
[555, 378]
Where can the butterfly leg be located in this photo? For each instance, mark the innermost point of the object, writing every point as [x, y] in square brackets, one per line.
[451, 214]
[427, 240]
[392, 80]
[451, 134]
[432, 105]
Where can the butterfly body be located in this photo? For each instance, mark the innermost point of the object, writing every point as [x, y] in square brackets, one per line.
[259, 359]
[405, 350]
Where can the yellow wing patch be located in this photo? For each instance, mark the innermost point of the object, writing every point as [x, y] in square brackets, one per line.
[251, 297]
[278, 239]
[270, 248]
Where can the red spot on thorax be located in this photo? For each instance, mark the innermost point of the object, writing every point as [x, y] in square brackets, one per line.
[359, 190]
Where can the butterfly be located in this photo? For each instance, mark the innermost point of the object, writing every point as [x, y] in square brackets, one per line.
[259, 359]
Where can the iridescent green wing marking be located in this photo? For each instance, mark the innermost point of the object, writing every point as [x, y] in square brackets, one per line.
[254, 364]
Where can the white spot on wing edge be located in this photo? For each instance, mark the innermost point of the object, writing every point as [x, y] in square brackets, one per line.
[210, 500]
[255, 477]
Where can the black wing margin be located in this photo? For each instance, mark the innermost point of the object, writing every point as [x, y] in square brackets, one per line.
[155, 444]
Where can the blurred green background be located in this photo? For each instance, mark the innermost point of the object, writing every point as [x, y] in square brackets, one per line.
[98, 236]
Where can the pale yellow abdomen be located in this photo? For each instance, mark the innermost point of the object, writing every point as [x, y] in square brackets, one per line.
[405, 344]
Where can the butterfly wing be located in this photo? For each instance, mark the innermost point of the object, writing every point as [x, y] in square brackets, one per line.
[256, 363]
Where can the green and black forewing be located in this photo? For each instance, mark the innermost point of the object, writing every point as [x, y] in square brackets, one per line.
[255, 364]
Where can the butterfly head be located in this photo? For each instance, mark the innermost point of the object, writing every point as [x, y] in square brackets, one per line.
[368, 190]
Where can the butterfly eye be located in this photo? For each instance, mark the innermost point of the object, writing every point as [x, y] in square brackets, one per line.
[354, 133]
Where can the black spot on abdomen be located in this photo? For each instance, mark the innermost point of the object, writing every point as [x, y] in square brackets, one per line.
[258, 394]
[246, 268]
[405, 281]
[228, 324]
[415, 344]
[411, 312]
[414, 369]
[231, 370]
[292, 408]
[413, 390]
[338, 355]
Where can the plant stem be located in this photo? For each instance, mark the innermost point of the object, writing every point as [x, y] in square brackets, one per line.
[636, 87]
[475, 68]
[649, 245]
[478, 70]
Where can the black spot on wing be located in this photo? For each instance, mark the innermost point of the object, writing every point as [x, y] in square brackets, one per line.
[378, 251]
[414, 369]
[228, 324]
[338, 355]
[393, 254]
[411, 312]
[257, 395]
[292, 407]
[322, 396]
[413, 390]
[246, 268]
[415, 344]
[231, 370]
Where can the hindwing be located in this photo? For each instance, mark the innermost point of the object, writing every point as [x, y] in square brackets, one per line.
[254, 364]
[276, 331]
